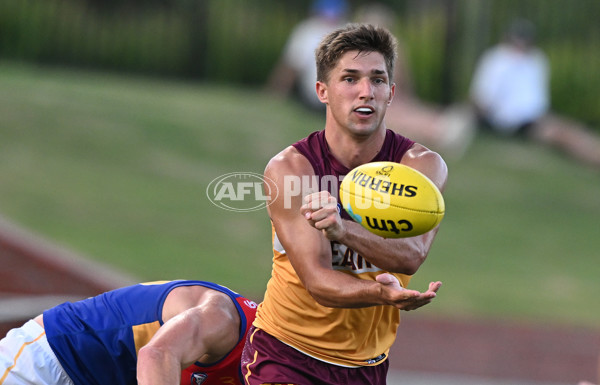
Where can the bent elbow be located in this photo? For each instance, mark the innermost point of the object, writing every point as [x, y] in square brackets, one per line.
[320, 294]
[410, 266]
[150, 355]
[410, 270]
[325, 302]
[319, 298]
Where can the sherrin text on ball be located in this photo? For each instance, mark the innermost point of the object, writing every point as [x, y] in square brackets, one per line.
[392, 200]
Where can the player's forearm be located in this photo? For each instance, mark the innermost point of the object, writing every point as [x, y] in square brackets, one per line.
[332, 288]
[341, 290]
[397, 256]
[156, 367]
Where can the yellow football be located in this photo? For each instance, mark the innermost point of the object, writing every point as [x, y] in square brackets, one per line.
[392, 200]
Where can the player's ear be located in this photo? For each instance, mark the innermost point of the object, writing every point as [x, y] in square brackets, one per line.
[392, 92]
[321, 89]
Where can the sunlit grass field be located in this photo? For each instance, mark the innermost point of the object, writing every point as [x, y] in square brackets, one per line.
[116, 168]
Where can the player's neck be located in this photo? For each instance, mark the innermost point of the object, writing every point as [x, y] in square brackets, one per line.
[352, 150]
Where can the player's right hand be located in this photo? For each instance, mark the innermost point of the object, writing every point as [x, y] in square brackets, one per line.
[405, 299]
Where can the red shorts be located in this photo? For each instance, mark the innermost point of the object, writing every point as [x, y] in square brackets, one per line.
[266, 360]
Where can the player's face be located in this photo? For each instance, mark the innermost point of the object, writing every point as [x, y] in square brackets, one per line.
[357, 92]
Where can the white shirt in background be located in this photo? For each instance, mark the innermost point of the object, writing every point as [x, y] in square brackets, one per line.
[511, 87]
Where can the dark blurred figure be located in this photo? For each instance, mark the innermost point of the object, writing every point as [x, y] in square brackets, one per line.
[447, 130]
[511, 96]
[296, 70]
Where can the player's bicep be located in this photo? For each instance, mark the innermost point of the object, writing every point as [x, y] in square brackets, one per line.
[434, 167]
[304, 245]
[307, 249]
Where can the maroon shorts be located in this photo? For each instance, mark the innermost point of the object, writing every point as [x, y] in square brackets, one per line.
[266, 360]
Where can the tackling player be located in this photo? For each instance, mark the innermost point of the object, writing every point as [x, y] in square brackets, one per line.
[168, 332]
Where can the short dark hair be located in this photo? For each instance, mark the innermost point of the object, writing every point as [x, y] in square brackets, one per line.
[355, 37]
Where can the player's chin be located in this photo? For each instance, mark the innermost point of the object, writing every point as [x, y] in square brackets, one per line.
[363, 128]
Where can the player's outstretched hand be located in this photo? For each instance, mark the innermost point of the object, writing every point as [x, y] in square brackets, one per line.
[405, 299]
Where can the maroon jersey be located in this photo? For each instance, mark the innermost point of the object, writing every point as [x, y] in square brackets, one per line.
[314, 147]
[290, 314]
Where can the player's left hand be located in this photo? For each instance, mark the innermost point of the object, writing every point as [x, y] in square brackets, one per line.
[321, 211]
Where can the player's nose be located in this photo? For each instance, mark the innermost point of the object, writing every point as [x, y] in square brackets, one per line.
[366, 89]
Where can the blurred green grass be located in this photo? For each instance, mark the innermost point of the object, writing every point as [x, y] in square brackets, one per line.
[117, 167]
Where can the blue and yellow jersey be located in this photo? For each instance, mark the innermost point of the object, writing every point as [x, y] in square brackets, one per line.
[97, 339]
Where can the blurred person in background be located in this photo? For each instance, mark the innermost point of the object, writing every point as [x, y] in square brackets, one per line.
[510, 93]
[295, 71]
[447, 130]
